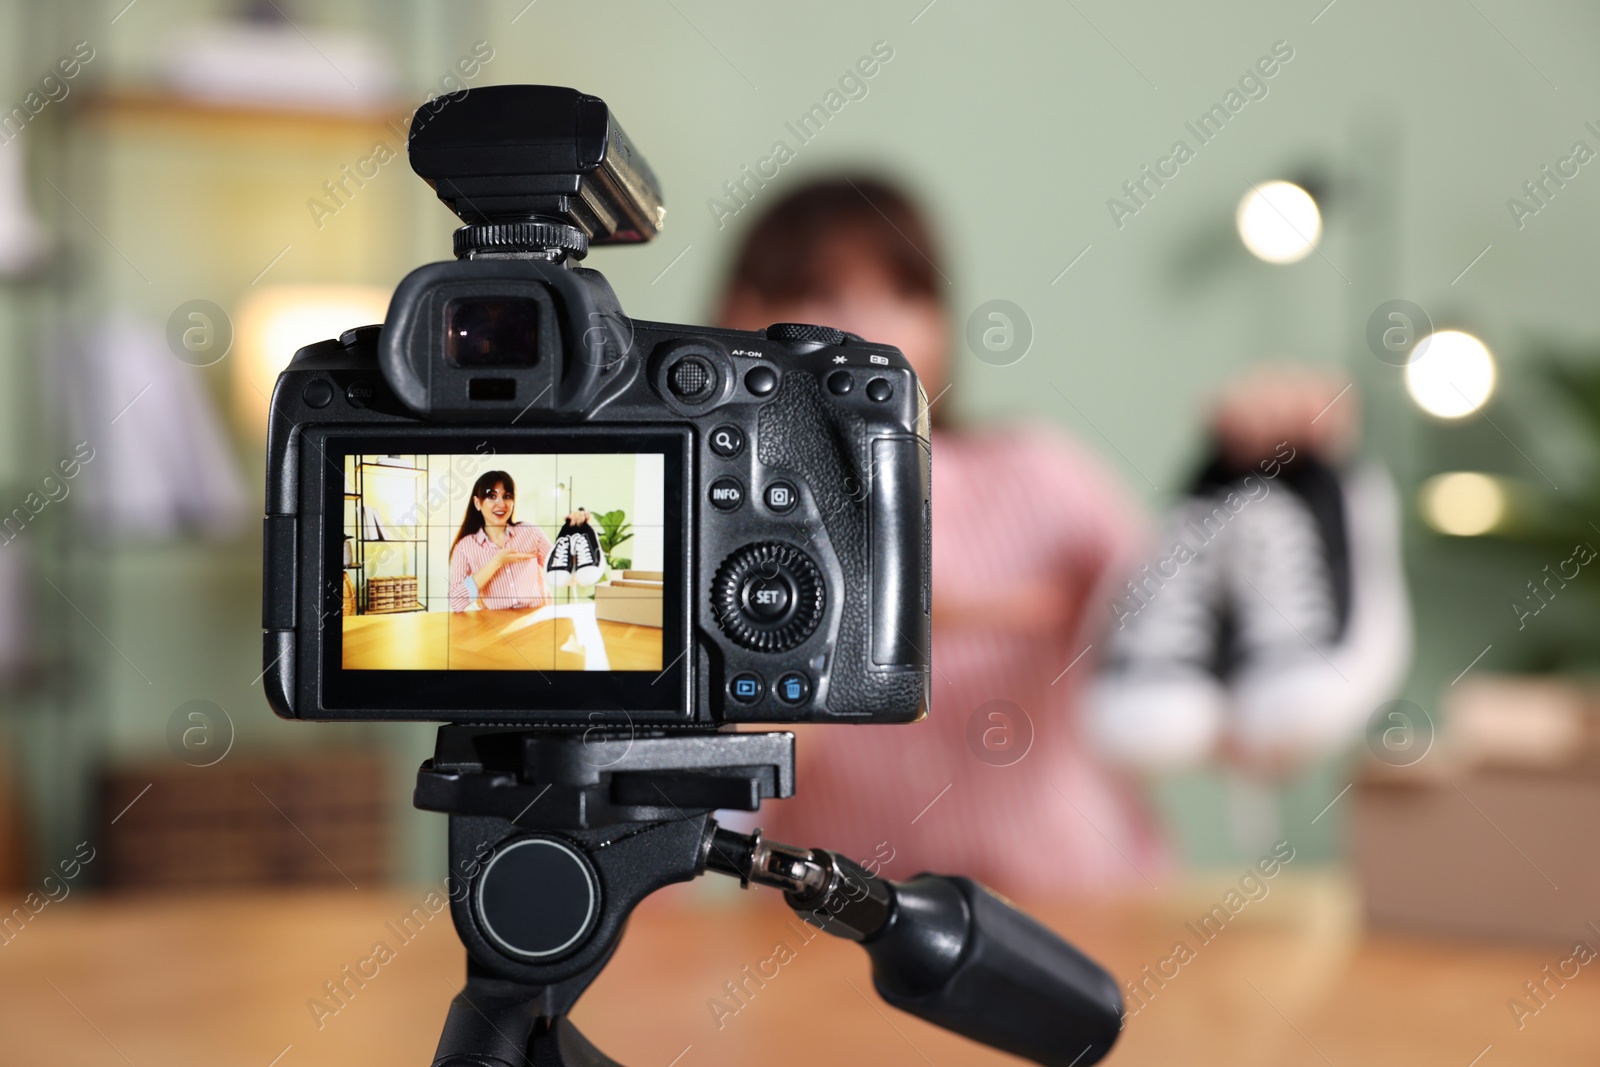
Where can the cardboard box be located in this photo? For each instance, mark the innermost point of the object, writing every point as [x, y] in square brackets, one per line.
[1494, 832]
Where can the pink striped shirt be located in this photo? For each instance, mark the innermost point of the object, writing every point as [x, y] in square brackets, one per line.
[1013, 510]
[515, 585]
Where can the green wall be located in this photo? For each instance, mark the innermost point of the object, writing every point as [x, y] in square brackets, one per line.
[1016, 122]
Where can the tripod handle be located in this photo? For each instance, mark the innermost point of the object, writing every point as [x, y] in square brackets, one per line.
[946, 949]
[958, 956]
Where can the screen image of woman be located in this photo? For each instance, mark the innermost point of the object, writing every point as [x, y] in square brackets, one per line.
[495, 561]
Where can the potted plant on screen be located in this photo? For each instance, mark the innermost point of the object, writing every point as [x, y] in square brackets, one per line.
[614, 532]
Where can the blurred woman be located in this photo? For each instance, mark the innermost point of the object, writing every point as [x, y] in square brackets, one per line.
[1029, 532]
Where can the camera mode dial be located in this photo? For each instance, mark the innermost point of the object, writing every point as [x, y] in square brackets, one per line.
[768, 597]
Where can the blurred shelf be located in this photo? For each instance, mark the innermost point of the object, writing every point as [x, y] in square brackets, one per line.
[159, 107]
[393, 611]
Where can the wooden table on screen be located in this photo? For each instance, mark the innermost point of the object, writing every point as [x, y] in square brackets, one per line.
[228, 982]
[503, 639]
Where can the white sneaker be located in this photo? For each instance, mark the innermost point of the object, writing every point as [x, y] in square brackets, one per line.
[1315, 575]
[1158, 703]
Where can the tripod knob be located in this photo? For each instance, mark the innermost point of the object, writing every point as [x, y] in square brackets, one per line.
[538, 899]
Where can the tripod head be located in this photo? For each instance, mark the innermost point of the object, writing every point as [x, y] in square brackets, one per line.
[557, 836]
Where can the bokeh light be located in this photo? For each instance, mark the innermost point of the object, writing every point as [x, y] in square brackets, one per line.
[1279, 222]
[1451, 375]
[1463, 503]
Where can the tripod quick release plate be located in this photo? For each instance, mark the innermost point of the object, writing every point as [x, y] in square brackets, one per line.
[601, 777]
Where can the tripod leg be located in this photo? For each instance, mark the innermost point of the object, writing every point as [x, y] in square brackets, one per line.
[494, 1029]
[486, 1030]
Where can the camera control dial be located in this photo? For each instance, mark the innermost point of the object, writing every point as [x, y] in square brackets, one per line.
[768, 597]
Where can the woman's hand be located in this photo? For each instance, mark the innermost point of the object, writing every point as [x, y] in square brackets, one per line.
[1306, 406]
[499, 559]
[578, 518]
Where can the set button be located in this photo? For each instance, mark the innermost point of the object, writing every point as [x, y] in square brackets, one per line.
[767, 598]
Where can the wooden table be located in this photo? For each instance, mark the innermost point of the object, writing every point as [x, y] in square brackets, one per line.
[501, 639]
[226, 982]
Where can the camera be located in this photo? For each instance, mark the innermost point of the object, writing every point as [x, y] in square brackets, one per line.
[512, 504]
[515, 510]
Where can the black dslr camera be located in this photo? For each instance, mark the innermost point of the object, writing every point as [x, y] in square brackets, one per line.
[590, 545]
[774, 485]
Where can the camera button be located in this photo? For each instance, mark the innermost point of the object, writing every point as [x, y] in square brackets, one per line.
[741, 595]
[841, 382]
[767, 599]
[879, 389]
[727, 494]
[806, 333]
[727, 441]
[781, 497]
[317, 393]
[690, 378]
[359, 393]
[747, 688]
[793, 688]
[761, 380]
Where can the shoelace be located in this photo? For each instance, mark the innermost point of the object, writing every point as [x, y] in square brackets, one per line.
[1284, 591]
[1177, 622]
[580, 547]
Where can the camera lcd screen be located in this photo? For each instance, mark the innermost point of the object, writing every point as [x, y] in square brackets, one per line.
[491, 333]
[506, 575]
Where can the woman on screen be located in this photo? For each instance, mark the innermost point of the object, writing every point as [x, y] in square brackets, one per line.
[495, 561]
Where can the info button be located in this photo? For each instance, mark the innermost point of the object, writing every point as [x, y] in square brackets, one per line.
[727, 494]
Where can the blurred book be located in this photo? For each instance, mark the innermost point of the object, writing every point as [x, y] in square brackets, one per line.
[266, 61]
[296, 818]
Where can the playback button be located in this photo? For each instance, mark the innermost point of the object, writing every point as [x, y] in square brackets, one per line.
[747, 688]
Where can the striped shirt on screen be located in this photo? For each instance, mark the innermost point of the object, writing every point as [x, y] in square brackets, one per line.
[515, 585]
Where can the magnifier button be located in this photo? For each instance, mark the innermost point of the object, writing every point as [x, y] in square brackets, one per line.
[727, 441]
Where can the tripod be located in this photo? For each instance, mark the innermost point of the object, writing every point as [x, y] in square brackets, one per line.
[555, 837]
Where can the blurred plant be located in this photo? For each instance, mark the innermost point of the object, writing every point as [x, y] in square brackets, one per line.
[1545, 519]
[1545, 535]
